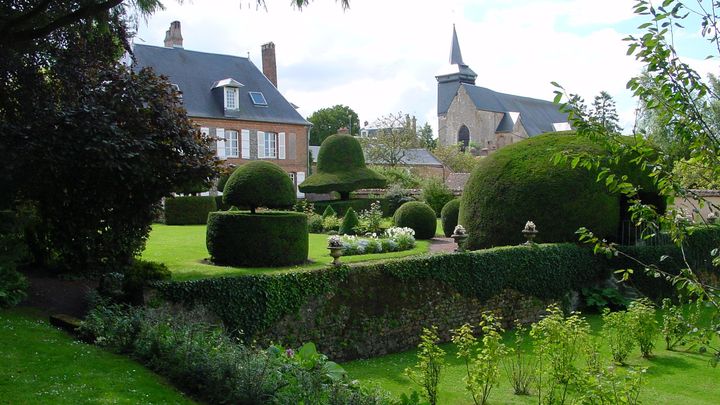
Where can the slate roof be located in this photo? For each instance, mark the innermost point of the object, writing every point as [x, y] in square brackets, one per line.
[413, 157]
[537, 116]
[195, 73]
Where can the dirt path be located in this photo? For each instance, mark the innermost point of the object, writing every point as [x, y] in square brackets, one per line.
[438, 244]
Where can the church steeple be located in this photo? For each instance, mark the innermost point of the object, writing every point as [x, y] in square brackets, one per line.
[460, 72]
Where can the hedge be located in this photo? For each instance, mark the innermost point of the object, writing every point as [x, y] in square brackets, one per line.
[359, 204]
[250, 240]
[259, 184]
[189, 210]
[449, 216]
[418, 216]
[254, 303]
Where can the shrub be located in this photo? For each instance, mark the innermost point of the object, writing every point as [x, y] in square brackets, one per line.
[449, 216]
[350, 222]
[259, 184]
[618, 330]
[419, 217]
[12, 250]
[315, 223]
[395, 197]
[139, 274]
[268, 239]
[329, 211]
[370, 220]
[341, 168]
[399, 176]
[520, 182]
[431, 360]
[644, 325]
[358, 204]
[331, 224]
[436, 194]
[189, 210]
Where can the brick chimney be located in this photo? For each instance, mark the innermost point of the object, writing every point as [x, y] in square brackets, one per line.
[173, 36]
[269, 66]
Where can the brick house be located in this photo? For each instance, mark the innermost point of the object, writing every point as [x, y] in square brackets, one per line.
[230, 99]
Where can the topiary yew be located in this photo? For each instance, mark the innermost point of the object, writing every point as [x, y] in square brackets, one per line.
[449, 216]
[418, 216]
[520, 183]
[341, 167]
[349, 222]
[259, 184]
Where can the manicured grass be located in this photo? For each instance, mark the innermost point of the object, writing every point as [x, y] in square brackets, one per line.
[182, 249]
[672, 377]
[43, 365]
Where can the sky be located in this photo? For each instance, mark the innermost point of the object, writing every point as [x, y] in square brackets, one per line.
[382, 56]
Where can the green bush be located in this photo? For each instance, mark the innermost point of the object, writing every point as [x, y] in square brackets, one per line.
[315, 223]
[358, 204]
[395, 197]
[329, 211]
[436, 194]
[521, 183]
[188, 210]
[341, 168]
[259, 184]
[13, 250]
[399, 176]
[350, 221]
[250, 240]
[418, 216]
[449, 216]
[139, 274]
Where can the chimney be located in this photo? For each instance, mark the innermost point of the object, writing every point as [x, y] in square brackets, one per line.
[173, 36]
[269, 66]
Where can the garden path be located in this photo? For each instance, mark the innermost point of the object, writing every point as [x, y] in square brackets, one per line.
[438, 244]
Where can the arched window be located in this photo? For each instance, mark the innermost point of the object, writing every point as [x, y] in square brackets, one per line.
[464, 137]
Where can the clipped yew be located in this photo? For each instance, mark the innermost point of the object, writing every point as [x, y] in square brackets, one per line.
[418, 216]
[251, 239]
[449, 216]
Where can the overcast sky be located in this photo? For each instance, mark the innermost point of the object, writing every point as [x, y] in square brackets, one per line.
[382, 56]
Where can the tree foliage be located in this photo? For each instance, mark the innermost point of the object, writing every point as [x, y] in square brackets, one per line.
[455, 158]
[425, 137]
[604, 112]
[93, 145]
[328, 121]
[394, 137]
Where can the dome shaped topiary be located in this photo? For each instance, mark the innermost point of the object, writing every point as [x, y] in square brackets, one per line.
[349, 222]
[449, 216]
[520, 183]
[418, 216]
[341, 168]
[259, 184]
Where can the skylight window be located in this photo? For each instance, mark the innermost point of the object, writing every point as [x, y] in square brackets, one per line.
[258, 98]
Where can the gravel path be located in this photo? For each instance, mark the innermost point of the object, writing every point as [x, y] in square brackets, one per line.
[438, 244]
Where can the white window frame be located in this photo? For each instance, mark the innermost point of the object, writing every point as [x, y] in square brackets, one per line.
[270, 145]
[231, 143]
[235, 93]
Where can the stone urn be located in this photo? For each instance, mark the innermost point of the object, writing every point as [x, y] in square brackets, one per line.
[530, 232]
[459, 236]
[336, 249]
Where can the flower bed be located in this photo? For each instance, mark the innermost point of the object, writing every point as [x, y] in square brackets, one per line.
[393, 240]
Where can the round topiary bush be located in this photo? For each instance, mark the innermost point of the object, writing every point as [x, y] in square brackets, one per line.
[449, 216]
[418, 216]
[259, 184]
[269, 239]
[341, 167]
[520, 183]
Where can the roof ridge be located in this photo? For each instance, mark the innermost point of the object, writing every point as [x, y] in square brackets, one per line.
[188, 50]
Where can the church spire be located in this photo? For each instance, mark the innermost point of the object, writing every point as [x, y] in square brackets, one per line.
[455, 54]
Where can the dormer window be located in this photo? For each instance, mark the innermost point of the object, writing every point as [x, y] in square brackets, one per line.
[258, 98]
[231, 98]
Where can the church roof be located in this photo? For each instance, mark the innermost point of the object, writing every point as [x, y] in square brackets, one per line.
[455, 54]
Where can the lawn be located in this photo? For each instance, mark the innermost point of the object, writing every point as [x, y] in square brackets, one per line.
[43, 365]
[182, 249]
[672, 377]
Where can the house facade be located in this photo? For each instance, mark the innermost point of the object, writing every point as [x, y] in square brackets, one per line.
[478, 117]
[232, 101]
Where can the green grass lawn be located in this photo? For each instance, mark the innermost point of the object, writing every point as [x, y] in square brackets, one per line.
[672, 377]
[182, 249]
[40, 364]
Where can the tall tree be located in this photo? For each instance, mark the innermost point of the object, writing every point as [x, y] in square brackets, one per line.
[328, 121]
[389, 146]
[425, 136]
[604, 112]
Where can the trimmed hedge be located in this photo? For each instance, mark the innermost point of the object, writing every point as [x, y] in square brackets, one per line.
[358, 204]
[259, 184]
[250, 240]
[520, 183]
[189, 210]
[418, 216]
[254, 303]
[449, 216]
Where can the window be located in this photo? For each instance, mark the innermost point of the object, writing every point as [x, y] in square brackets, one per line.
[231, 98]
[464, 137]
[292, 177]
[231, 143]
[270, 145]
[258, 98]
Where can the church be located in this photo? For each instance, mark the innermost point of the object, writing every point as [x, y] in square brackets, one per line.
[486, 120]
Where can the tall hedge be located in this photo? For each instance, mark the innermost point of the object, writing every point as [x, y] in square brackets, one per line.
[189, 210]
[520, 183]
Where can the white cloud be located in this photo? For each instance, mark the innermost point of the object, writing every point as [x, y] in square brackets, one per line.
[381, 57]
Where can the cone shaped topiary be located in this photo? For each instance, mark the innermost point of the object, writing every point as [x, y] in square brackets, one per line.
[418, 216]
[341, 167]
[520, 183]
[259, 184]
[350, 221]
[329, 212]
[449, 216]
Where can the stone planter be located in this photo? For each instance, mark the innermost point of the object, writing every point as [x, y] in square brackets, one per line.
[335, 253]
